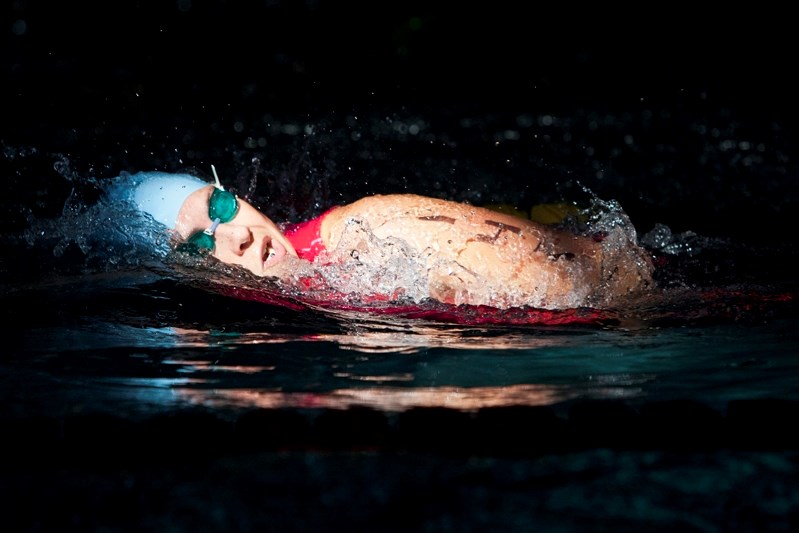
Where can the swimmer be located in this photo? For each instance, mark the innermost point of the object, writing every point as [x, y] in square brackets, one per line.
[471, 255]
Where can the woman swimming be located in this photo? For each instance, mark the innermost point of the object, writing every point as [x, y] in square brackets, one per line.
[466, 254]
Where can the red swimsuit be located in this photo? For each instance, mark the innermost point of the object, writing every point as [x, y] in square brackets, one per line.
[305, 236]
[307, 241]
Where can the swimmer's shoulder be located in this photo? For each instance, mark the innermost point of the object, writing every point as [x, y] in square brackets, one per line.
[398, 203]
[379, 204]
[373, 209]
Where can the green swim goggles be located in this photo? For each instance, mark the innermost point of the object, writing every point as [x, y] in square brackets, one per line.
[223, 206]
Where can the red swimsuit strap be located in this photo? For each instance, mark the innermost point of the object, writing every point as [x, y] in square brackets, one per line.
[306, 236]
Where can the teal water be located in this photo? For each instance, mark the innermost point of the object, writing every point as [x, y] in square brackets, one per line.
[146, 345]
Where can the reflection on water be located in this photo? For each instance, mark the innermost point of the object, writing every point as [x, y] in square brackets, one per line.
[170, 393]
[385, 395]
[408, 337]
[388, 398]
[231, 366]
[97, 318]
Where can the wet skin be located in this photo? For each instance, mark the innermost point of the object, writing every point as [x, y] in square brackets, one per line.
[250, 239]
[472, 255]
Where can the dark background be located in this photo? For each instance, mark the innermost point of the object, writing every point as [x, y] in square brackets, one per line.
[689, 115]
[123, 59]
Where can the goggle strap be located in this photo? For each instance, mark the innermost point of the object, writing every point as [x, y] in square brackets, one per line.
[216, 178]
[212, 229]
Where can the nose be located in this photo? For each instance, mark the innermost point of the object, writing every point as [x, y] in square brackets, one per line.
[234, 238]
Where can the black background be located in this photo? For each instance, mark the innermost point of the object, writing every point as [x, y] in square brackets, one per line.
[124, 86]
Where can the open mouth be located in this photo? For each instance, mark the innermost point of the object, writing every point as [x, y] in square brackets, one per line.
[273, 252]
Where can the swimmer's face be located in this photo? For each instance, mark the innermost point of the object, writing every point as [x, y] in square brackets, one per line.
[249, 239]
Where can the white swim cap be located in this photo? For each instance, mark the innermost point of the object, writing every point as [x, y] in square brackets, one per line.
[161, 194]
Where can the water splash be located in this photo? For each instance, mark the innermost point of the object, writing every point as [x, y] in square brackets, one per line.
[92, 231]
[687, 243]
[366, 264]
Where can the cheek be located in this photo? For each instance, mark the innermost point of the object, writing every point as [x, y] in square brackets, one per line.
[227, 256]
[248, 215]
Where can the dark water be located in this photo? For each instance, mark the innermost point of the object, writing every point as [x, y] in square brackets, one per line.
[135, 398]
